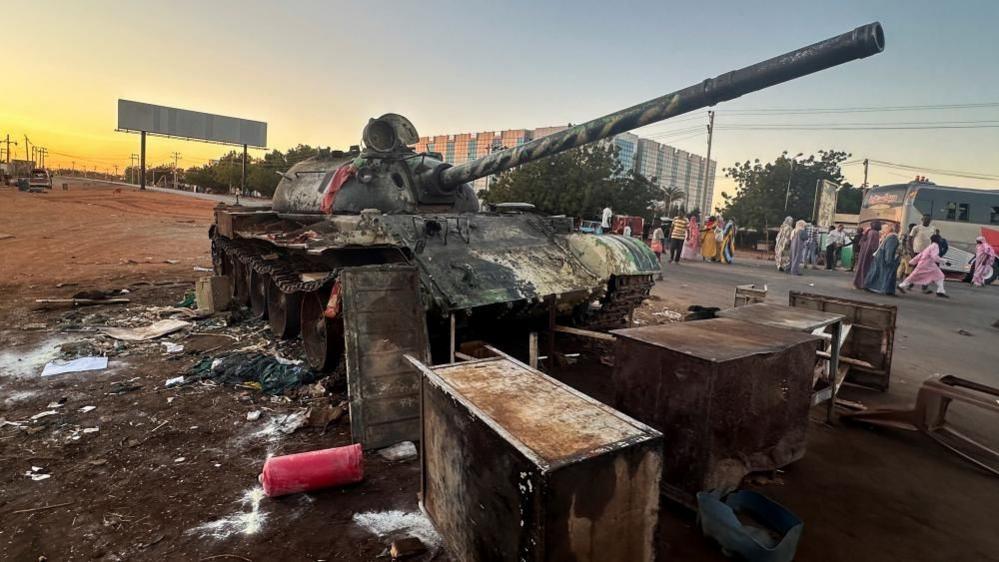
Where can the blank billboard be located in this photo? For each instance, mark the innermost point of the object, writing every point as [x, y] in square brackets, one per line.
[172, 122]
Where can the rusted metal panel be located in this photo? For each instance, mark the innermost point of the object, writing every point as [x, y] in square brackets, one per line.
[518, 466]
[872, 334]
[729, 397]
[384, 320]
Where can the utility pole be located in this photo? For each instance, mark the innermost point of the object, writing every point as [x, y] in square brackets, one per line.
[242, 183]
[42, 151]
[176, 156]
[866, 163]
[9, 142]
[131, 170]
[116, 171]
[707, 162]
[27, 143]
[72, 164]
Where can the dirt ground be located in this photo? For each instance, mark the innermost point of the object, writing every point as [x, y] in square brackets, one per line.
[171, 473]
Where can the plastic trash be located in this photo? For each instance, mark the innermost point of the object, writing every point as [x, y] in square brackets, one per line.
[749, 525]
[312, 470]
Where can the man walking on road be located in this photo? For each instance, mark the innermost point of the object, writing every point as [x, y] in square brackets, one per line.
[677, 234]
[919, 236]
[834, 245]
[605, 219]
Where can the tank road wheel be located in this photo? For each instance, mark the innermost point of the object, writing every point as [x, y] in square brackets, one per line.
[283, 311]
[258, 293]
[322, 338]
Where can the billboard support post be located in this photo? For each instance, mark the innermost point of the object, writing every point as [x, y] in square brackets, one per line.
[142, 161]
[242, 183]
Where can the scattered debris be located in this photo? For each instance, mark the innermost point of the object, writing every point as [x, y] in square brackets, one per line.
[965, 333]
[122, 387]
[44, 414]
[399, 452]
[91, 429]
[273, 374]
[203, 269]
[253, 416]
[175, 381]
[397, 523]
[86, 409]
[152, 331]
[5, 236]
[180, 459]
[283, 425]
[404, 548]
[80, 302]
[749, 525]
[58, 366]
[37, 473]
[32, 326]
[242, 523]
[170, 347]
[322, 416]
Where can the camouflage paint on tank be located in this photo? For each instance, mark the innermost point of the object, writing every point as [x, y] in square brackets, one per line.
[611, 255]
[473, 260]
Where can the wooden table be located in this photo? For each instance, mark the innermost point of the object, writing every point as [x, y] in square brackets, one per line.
[800, 320]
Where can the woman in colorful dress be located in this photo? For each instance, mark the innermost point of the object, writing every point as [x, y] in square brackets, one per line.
[985, 259]
[728, 242]
[882, 275]
[709, 247]
[782, 249]
[692, 247]
[927, 270]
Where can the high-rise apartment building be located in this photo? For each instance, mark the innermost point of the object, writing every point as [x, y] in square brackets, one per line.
[665, 165]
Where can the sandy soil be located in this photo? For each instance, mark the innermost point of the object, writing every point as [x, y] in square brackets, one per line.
[122, 492]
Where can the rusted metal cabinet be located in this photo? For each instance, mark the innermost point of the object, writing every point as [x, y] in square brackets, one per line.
[518, 466]
[730, 397]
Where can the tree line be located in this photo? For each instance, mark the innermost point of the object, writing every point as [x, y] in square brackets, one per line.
[582, 181]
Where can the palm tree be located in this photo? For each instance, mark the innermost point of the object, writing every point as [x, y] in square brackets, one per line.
[669, 196]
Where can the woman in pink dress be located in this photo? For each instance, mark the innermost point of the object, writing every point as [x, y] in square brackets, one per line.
[985, 259]
[692, 247]
[927, 269]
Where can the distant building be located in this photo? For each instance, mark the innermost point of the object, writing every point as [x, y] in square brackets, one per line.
[666, 165]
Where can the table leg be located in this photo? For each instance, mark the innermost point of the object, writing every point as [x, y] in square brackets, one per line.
[837, 331]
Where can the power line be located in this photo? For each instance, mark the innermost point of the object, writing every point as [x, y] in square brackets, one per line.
[872, 127]
[859, 109]
[955, 173]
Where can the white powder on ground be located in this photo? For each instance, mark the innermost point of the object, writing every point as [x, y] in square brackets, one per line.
[242, 523]
[395, 524]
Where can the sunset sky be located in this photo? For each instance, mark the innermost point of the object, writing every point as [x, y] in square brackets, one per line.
[316, 71]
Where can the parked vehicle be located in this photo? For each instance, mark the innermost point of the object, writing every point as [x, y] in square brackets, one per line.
[39, 180]
[961, 214]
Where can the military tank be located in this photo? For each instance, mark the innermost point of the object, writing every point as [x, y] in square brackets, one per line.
[384, 203]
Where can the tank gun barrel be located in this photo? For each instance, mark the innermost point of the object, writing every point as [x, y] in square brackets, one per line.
[862, 42]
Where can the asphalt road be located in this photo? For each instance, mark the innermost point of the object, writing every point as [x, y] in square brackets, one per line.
[927, 340]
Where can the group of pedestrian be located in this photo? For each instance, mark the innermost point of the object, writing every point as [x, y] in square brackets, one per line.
[883, 258]
[717, 240]
[688, 240]
[797, 246]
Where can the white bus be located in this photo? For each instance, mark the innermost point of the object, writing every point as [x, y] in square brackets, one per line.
[961, 214]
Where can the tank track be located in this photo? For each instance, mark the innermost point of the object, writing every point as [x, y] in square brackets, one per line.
[625, 293]
[286, 274]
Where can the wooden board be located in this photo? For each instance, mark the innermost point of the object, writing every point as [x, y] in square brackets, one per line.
[384, 320]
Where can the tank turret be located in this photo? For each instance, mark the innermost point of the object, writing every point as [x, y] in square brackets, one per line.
[390, 176]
